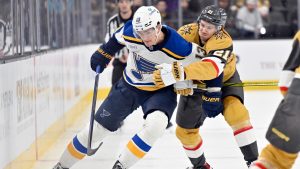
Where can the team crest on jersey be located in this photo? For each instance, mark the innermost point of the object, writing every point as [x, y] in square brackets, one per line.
[143, 66]
[187, 29]
[104, 113]
[220, 35]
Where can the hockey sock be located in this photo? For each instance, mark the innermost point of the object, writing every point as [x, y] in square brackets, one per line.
[247, 142]
[74, 152]
[196, 154]
[141, 143]
[250, 152]
[77, 149]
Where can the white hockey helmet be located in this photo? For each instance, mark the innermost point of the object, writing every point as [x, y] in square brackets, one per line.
[146, 17]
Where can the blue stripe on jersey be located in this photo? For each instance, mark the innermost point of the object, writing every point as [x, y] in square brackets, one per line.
[131, 82]
[177, 44]
[79, 146]
[128, 29]
[140, 143]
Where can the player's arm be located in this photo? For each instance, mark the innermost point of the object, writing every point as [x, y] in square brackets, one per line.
[106, 51]
[290, 66]
[212, 99]
[209, 67]
[212, 65]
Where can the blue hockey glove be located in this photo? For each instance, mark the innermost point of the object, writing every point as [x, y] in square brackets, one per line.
[98, 59]
[212, 103]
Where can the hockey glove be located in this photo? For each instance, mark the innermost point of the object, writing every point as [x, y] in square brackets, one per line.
[168, 74]
[99, 58]
[212, 103]
[184, 87]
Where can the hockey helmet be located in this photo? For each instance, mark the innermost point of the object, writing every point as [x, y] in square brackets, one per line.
[214, 15]
[146, 17]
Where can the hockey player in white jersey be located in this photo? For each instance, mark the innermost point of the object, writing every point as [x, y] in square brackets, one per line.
[149, 44]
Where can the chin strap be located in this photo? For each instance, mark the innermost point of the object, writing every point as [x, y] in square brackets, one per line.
[157, 36]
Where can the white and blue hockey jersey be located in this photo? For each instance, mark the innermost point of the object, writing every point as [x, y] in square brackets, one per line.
[142, 60]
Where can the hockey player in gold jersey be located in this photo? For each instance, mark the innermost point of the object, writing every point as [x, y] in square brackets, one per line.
[215, 44]
[283, 133]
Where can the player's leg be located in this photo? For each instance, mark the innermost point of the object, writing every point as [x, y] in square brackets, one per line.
[283, 133]
[237, 116]
[158, 109]
[272, 157]
[119, 104]
[189, 118]
[77, 148]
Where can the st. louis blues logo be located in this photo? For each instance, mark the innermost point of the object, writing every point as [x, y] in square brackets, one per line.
[143, 66]
[104, 113]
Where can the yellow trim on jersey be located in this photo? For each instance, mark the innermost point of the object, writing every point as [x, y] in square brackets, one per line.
[148, 88]
[172, 54]
[135, 150]
[132, 39]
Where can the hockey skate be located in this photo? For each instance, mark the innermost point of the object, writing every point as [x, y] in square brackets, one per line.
[118, 165]
[205, 166]
[170, 124]
[58, 166]
[248, 164]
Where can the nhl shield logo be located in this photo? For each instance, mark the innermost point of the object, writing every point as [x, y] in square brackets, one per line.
[138, 20]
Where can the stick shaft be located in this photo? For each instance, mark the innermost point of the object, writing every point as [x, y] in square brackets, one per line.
[90, 151]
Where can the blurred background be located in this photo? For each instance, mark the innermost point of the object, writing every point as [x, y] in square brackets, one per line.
[31, 26]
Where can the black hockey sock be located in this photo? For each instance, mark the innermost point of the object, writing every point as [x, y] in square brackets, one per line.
[250, 152]
[198, 162]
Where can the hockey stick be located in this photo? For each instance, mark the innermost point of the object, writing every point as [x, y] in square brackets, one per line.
[250, 84]
[91, 151]
[245, 84]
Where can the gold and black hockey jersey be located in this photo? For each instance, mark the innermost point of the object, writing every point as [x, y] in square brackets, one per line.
[219, 45]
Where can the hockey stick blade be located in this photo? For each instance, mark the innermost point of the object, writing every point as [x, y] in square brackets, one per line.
[91, 151]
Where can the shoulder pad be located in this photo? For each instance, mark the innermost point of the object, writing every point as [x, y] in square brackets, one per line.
[221, 40]
[190, 32]
[178, 47]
